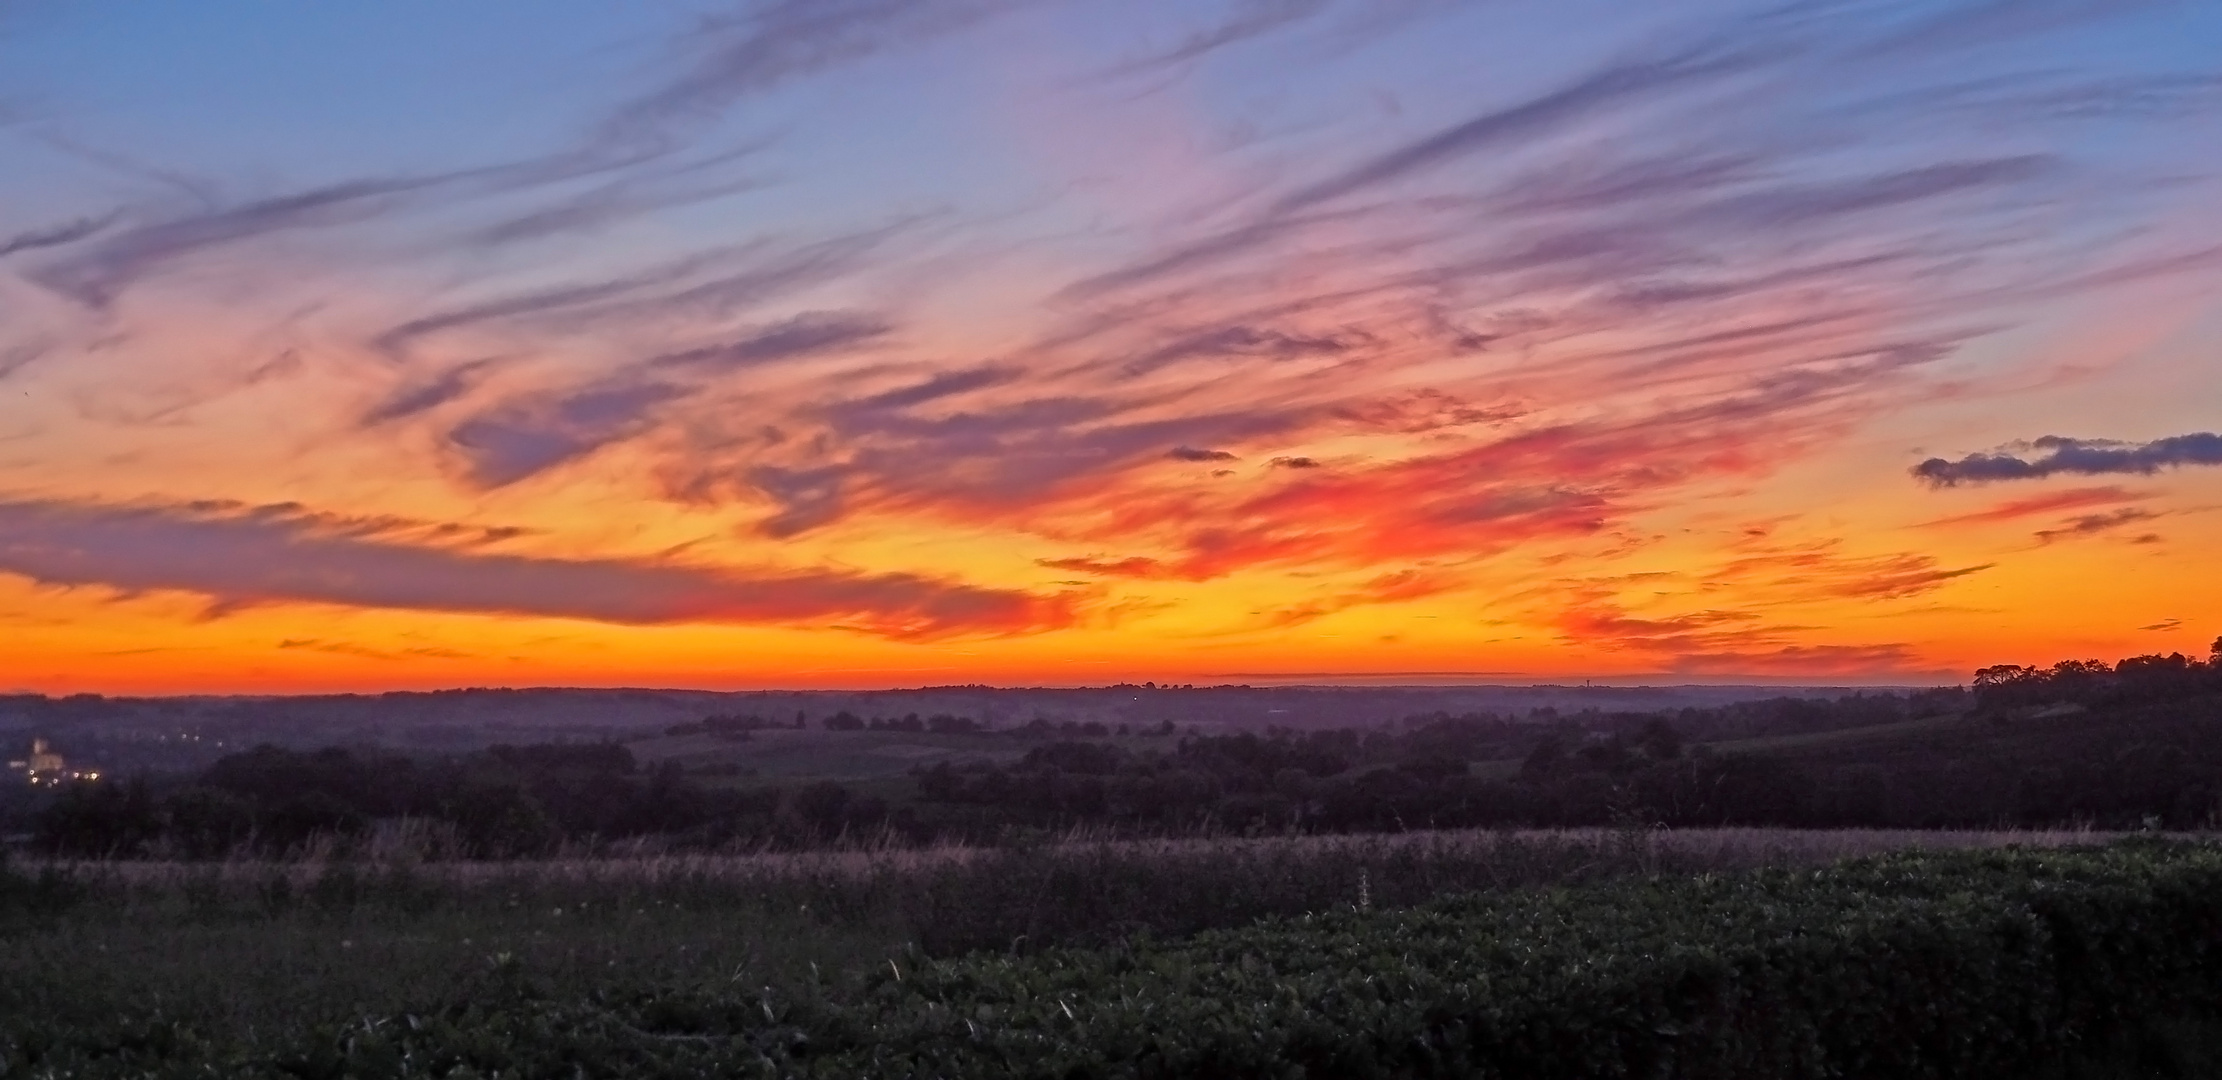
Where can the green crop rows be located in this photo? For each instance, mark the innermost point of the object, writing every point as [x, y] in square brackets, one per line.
[1981, 964]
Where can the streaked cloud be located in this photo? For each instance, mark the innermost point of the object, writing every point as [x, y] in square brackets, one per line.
[767, 43]
[237, 556]
[524, 436]
[1394, 587]
[68, 232]
[1191, 453]
[96, 275]
[1256, 316]
[2083, 525]
[1244, 20]
[2054, 455]
[2050, 503]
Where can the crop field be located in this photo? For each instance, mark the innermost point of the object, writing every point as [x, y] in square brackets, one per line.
[966, 961]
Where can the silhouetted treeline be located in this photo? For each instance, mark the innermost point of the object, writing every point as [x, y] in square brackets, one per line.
[2132, 744]
[1351, 781]
[504, 801]
[2124, 745]
[2096, 683]
[939, 723]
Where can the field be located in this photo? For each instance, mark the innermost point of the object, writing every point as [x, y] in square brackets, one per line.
[879, 896]
[779, 754]
[114, 963]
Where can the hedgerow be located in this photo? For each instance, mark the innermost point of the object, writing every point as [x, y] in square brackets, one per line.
[1936, 965]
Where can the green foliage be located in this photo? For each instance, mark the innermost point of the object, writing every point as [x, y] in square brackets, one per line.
[1981, 964]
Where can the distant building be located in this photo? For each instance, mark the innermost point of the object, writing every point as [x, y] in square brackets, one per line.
[45, 767]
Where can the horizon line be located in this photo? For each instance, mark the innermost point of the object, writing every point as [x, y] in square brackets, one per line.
[1281, 681]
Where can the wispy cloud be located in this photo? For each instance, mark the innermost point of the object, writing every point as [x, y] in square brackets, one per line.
[2093, 524]
[15, 358]
[1393, 587]
[445, 387]
[1611, 85]
[524, 436]
[703, 285]
[807, 498]
[1386, 316]
[238, 556]
[768, 43]
[349, 648]
[98, 274]
[1191, 453]
[812, 333]
[69, 232]
[1133, 566]
[2051, 503]
[653, 186]
[1820, 572]
[1246, 20]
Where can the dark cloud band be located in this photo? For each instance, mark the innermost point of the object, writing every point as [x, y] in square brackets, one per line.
[238, 556]
[2054, 454]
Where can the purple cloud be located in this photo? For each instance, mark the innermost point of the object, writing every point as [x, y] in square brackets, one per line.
[774, 42]
[1190, 453]
[237, 556]
[1609, 86]
[68, 232]
[526, 436]
[811, 333]
[1250, 19]
[2093, 524]
[97, 276]
[523, 438]
[2083, 457]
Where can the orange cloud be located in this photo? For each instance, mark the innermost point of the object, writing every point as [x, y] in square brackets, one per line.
[2071, 499]
[1818, 571]
[2093, 524]
[1390, 588]
[1133, 567]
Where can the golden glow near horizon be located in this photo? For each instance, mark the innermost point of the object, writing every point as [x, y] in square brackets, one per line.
[1042, 349]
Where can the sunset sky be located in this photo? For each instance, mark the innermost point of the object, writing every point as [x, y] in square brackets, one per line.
[904, 342]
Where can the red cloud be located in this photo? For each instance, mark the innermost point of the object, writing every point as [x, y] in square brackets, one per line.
[2072, 499]
[1133, 567]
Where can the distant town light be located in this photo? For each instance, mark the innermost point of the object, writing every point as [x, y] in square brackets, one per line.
[45, 768]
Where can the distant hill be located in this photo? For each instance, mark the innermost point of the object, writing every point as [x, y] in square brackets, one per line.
[177, 732]
[2134, 744]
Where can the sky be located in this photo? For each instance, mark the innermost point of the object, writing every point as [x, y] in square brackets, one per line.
[859, 343]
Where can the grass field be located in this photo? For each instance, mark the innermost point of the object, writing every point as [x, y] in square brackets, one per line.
[253, 954]
[1846, 738]
[240, 948]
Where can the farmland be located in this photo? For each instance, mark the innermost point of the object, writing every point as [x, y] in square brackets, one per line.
[966, 962]
[1996, 882]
